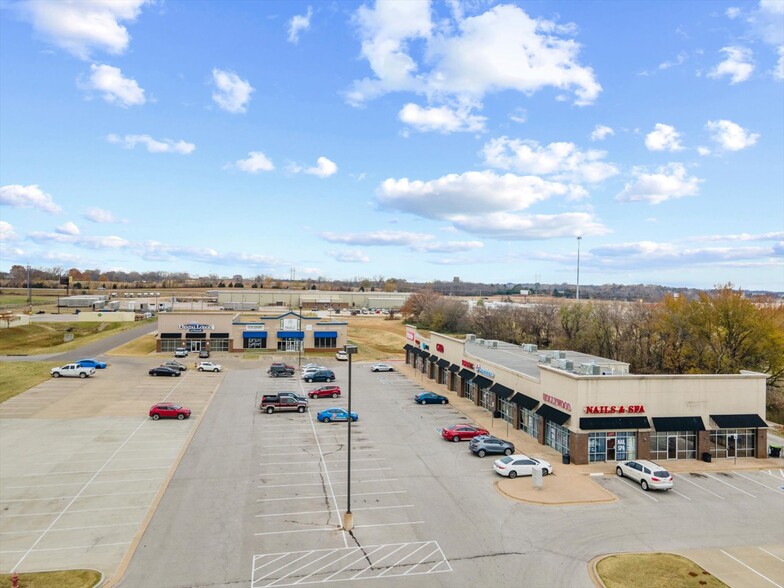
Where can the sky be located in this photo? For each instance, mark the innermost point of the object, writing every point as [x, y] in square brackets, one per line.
[418, 140]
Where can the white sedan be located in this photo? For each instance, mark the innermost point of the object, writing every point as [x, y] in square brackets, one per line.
[208, 366]
[381, 367]
[512, 466]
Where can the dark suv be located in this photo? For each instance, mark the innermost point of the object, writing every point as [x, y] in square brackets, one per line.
[484, 444]
[281, 370]
[321, 376]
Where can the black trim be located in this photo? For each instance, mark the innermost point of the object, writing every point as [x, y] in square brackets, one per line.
[551, 413]
[524, 401]
[415, 350]
[442, 363]
[614, 423]
[466, 374]
[692, 423]
[408, 347]
[424, 354]
[482, 382]
[432, 358]
[501, 391]
[454, 368]
[738, 421]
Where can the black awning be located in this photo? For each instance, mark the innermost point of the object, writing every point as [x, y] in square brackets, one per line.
[442, 363]
[553, 414]
[408, 347]
[433, 358]
[482, 382]
[613, 423]
[501, 391]
[692, 423]
[415, 350]
[454, 368]
[466, 374]
[524, 401]
[738, 421]
[424, 354]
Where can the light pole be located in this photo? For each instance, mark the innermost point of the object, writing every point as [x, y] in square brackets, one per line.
[578, 267]
[302, 341]
[348, 518]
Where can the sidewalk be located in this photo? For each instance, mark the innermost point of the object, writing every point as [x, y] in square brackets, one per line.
[569, 484]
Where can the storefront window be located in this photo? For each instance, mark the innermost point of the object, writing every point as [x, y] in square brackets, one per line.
[487, 400]
[529, 422]
[556, 437]
[612, 446]
[673, 445]
[468, 390]
[733, 443]
[219, 344]
[254, 343]
[326, 342]
[507, 408]
[443, 377]
[170, 344]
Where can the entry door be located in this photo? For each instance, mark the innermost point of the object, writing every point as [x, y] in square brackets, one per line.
[195, 345]
[610, 449]
[731, 446]
[672, 447]
[292, 344]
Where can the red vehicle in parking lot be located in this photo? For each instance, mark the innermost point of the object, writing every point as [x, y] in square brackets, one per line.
[167, 410]
[459, 432]
[329, 391]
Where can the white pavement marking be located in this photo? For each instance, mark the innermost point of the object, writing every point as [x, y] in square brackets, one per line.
[319, 471]
[96, 482]
[83, 496]
[730, 485]
[389, 524]
[307, 512]
[70, 528]
[679, 494]
[318, 496]
[776, 490]
[298, 463]
[93, 546]
[319, 483]
[40, 514]
[298, 531]
[698, 486]
[90, 471]
[752, 569]
[770, 554]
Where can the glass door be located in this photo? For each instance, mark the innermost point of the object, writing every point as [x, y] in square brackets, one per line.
[672, 447]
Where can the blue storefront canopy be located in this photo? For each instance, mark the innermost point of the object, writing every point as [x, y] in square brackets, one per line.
[291, 335]
[326, 335]
[254, 334]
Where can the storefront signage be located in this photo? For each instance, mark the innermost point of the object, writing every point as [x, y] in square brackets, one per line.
[290, 324]
[485, 372]
[425, 346]
[196, 327]
[467, 364]
[557, 402]
[439, 348]
[255, 328]
[410, 336]
[613, 409]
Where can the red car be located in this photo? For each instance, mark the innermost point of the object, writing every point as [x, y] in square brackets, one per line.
[459, 432]
[167, 410]
[325, 392]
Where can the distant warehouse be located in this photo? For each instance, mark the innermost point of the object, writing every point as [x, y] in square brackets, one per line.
[242, 299]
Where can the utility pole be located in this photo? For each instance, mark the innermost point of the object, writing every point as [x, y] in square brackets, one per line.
[578, 267]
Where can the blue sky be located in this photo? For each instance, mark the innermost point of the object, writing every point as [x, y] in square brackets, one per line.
[417, 140]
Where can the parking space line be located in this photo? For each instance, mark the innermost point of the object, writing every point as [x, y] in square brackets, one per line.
[770, 554]
[390, 554]
[776, 490]
[40, 514]
[319, 483]
[730, 485]
[308, 512]
[420, 562]
[72, 528]
[680, 477]
[297, 463]
[96, 482]
[335, 528]
[389, 524]
[99, 471]
[365, 555]
[319, 496]
[752, 569]
[83, 496]
[679, 494]
[93, 546]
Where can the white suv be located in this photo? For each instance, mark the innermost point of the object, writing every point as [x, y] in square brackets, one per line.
[647, 473]
[208, 366]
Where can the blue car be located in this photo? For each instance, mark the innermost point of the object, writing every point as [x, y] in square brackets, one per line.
[430, 398]
[93, 363]
[335, 414]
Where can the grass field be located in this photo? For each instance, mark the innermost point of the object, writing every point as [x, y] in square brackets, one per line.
[64, 579]
[40, 338]
[654, 570]
[18, 376]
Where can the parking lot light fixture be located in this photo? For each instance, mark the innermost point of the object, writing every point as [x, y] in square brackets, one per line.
[348, 518]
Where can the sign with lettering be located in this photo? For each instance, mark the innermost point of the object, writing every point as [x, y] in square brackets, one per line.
[439, 348]
[615, 409]
[467, 364]
[485, 371]
[557, 402]
[410, 335]
[255, 327]
[196, 327]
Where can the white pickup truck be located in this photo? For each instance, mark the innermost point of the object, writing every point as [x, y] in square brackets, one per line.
[73, 370]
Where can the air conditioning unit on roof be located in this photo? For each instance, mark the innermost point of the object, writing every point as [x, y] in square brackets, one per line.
[471, 338]
[480, 341]
[492, 344]
[544, 359]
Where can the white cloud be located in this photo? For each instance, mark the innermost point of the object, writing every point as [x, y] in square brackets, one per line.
[442, 119]
[519, 115]
[31, 196]
[255, 162]
[498, 50]
[68, 228]
[524, 227]
[738, 65]
[702, 150]
[667, 183]
[299, 23]
[82, 27]
[601, 132]
[323, 169]
[679, 60]
[448, 246]
[778, 72]
[771, 236]
[731, 136]
[351, 256]
[114, 88]
[377, 238]
[732, 12]
[99, 215]
[469, 193]
[153, 145]
[233, 93]
[563, 160]
[663, 138]
[100, 242]
[7, 232]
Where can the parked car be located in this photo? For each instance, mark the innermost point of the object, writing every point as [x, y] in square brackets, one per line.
[309, 365]
[459, 432]
[313, 368]
[166, 410]
[336, 414]
[647, 473]
[175, 365]
[320, 376]
[430, 398]
[381, 367]
[181, 352]
[72, 370]
[208, 366]
[280, 370]
[329, 391]
[93, 363]
[284, 402]
[484, 444]
[512, 466]
[341, 355]
[164, 370]
[204, 354]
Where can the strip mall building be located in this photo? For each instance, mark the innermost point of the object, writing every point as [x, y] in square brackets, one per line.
[592, 408]
[233, 331]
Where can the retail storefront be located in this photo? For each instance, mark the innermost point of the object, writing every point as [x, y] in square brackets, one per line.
[593, 409]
